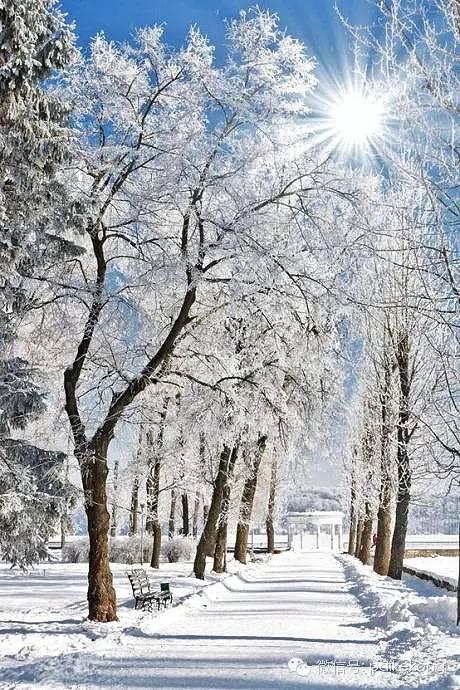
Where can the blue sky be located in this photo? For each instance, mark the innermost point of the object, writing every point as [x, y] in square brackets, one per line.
[313, 21]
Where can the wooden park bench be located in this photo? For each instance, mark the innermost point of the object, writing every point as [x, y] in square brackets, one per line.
[145, 596]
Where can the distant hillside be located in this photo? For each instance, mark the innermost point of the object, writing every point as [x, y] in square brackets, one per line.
[435, 515]
[314, 499]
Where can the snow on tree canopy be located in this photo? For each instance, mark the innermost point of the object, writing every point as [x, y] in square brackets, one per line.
[35, 42]
[33, 495]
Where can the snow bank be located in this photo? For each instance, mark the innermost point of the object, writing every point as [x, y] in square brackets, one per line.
[439, 567]
[418, 621]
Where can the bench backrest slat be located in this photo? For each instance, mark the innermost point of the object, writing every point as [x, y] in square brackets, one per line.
[141, 585]
[139, 580]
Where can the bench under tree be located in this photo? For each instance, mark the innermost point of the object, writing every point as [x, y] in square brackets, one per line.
[145, 596]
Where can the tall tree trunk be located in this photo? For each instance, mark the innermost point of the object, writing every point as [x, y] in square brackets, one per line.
[212, 540]
[208, 536]
[196, 511]
[101, 594]
[398, 543]
[153, 500]
[352, 535]
[366, 538]
[156, 544]
[185, 515]
[384, 523]
[172, 515]
[134, 509]
[203, 455]
[113, 523]
[220, 552]
[384, 515]
[247, 502]
[269, 522]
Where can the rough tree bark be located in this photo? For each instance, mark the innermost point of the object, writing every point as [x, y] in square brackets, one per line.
[247, 502]
[208, 535]
[398, 543]
[271, 508]
[101, 593]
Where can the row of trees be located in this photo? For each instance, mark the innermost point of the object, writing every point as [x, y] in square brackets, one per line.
[407, 372]
[198, 271]
[406, 429]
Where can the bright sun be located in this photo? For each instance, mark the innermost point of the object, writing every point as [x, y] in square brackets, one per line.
[351, 120]
[355, 119]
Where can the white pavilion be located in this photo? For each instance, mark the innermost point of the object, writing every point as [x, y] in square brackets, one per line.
[297, 524]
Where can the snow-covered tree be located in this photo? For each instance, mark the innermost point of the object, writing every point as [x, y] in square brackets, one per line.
[34, 495]
[416, 58]
[193, 178]
[405, 344]
[34, 141]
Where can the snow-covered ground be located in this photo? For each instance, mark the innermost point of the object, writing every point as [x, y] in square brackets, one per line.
[57, 586]
[418, 620]
[443, 567]
[301, 620]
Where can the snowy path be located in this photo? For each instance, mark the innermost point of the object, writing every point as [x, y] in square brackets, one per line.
[240, 634]
[297, 606]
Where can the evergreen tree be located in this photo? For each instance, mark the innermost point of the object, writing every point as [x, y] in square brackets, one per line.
[35, 43]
